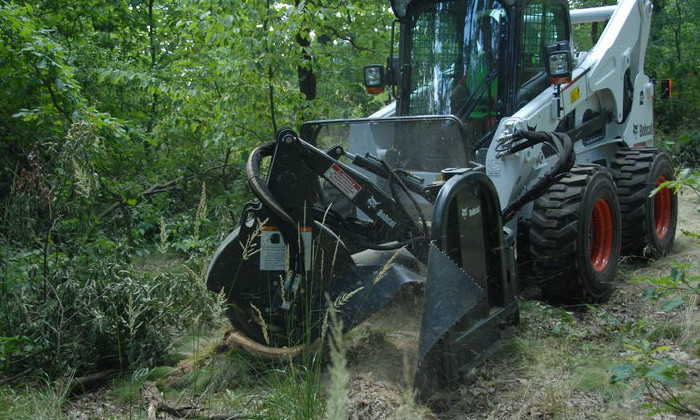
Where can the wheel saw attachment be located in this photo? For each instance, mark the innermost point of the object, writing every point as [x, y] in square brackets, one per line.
[297, 255]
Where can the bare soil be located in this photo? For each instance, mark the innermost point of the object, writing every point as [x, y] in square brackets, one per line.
[382, 352]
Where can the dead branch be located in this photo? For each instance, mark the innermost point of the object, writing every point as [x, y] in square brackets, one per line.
[348, 38]
[83, 384]
[156, 404]
[159, 188]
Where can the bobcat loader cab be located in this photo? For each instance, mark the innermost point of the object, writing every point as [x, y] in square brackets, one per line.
[504, 67]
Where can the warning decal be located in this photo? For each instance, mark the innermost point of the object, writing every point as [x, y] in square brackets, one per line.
[575, 94]
[273, 251]
[342, 181]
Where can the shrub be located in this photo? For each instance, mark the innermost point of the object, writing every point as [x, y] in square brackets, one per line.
[92, 311]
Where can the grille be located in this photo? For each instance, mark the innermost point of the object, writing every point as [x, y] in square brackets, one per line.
[435, 55]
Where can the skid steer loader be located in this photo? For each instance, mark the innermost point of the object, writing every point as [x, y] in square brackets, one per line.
[505, 151]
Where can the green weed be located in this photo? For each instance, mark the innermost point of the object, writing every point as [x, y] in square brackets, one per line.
[660, 376]
[674, 289]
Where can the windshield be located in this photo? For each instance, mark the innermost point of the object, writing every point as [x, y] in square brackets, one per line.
[454, 54]
[422, 146]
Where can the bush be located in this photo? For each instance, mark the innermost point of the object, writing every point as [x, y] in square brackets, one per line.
[92, 311]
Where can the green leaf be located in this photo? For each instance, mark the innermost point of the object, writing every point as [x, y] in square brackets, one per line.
[673, 304]
[648, 294]
[663, 373]
[677, 274]
[622, 372]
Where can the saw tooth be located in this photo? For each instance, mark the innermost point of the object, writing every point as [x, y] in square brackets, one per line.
[458, 266]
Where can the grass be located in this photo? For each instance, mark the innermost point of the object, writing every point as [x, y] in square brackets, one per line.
[558, 366]
[42, 402]
[560, 363]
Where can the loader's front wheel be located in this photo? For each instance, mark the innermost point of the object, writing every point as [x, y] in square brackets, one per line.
[648, 222]
[575, 236]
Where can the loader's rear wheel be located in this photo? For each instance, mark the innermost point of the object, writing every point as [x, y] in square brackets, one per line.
[648, 223]
[575, 236]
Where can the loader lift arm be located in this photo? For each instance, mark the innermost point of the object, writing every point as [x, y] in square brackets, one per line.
[292, 252]
[294, 181]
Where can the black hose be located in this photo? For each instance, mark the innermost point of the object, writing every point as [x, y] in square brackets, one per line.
[393, 177]
[564, 148]
[259, 187]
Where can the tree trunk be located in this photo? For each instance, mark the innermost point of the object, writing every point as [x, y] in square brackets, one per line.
[305, 71]
[154, 60]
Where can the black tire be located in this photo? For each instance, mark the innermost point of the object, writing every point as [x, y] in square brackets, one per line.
[575, 237]
[648, 223]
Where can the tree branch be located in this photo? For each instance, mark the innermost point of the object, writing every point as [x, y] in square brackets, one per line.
[157, 189]
[155, 403]
[347, 38]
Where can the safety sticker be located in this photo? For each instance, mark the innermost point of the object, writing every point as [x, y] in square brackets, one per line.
[575, 94]
[494, 168]
[306, 237]
[273, 249]
[273, 252]
[342, 181]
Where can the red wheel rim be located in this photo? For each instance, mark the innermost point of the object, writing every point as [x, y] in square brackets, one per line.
[663, 205]
[602, 229]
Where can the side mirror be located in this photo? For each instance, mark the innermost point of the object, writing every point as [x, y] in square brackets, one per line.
[399, 7]
[375, 80]
[558, 62]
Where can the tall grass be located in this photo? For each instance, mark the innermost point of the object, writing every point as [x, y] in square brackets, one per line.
[337, 403]
[43, 402]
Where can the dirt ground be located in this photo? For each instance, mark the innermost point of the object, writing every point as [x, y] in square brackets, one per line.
[382, 352]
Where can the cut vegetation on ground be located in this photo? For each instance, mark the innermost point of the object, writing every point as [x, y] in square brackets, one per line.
[636, 355]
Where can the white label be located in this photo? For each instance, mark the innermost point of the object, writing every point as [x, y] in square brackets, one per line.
[493, 168]
[273, 250]
[342, 181]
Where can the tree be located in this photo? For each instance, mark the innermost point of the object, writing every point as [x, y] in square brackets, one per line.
[114, 115]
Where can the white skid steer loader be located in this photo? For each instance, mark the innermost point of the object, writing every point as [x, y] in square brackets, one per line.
[504, 152]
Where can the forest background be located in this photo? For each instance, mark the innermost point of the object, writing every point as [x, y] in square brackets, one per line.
[124, 131]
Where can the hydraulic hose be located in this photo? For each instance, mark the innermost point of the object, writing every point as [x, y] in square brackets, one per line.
[258, 185]
[564, 149]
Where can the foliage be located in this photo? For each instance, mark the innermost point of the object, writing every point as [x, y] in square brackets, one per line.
[673, 53]
[684, 145]
[124, 130]
[47, 403]
[659, 375]
[123, 316]
[337, 402]
[678, 288]
[686, 180]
